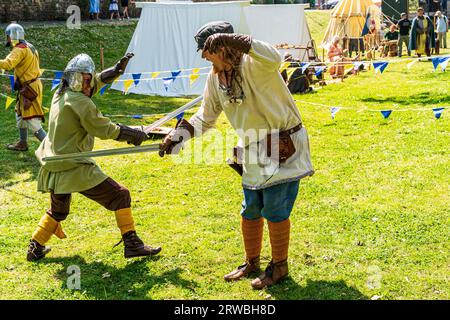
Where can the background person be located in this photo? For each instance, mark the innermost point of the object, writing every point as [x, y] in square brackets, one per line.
[24, 59]
[404, 26]
[422, 34]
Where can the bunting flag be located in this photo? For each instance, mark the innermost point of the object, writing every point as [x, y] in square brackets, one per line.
[333, 111]
[169, 80]
[2, 71]
[42, 71]
[438, 112]
[319, 70]
[380, 66]
[290, 71]
[386, 113]
[155, 74]
[193, 78]
[180, 116]
[127, 84]
[9, 101]
[195, 70]
[103, 89]
[444, 62]
[56, 79]
[436, 62]
[304, 66]
[136, 78]
[284, 66]
[137, 116]
[11, 81]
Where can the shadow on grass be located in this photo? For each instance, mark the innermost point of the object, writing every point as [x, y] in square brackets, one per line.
[102, 281]
[288, 289]
[423, 98]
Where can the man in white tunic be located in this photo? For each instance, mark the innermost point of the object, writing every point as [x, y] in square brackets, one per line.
[246, 84]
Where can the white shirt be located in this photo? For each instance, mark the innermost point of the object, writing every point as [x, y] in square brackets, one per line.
[267, 105]
[441, 24]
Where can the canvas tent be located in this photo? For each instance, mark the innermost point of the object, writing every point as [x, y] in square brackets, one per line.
[164, 41]
[348, 19]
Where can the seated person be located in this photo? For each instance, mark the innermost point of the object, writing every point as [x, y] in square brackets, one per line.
[298, 82]
[336, 54]
[391, 35]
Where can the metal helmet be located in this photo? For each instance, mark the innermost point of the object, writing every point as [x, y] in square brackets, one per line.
[15, 32]
[73, 73]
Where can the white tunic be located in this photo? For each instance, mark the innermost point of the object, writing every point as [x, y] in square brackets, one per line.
[267, 106]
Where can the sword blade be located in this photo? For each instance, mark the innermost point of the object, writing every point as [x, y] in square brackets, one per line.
[172, 115]
[101, 153]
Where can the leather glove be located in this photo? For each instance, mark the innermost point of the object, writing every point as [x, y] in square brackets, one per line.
[235, 41]
[173, 142]
[130, 135]
[110, 74]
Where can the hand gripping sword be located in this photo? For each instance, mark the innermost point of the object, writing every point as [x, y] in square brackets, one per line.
[138, 149]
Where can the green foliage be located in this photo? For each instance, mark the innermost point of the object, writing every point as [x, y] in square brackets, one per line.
[373, 220]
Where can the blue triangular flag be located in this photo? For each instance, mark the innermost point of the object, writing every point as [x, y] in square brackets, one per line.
[180, 116]
[136, 78]
[380, 66]
[176, 73]
[167, 82]
[103, 89]
[438, 112]
[386, 113]
[56, 79]
[333, 111]
[137, 116]
[436, 62]
[319, 70]
[11, 81]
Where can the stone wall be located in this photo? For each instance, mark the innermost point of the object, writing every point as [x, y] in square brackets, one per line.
[47, 10]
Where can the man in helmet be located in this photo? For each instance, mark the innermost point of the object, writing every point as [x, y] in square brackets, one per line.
[246, 84]
[74, 121]
[24, 59]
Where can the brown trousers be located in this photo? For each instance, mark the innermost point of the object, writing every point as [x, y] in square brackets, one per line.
[110, 194]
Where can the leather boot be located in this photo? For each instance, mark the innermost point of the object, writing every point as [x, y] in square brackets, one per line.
[272, 275]
[36, 251]
[243, 270]
[135, 247]
[18, 146]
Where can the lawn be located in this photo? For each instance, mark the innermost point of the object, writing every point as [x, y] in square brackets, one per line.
[372, 221]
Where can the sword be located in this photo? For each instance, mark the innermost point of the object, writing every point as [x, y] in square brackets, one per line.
[172, 115]
[101, 153]
[129, 150]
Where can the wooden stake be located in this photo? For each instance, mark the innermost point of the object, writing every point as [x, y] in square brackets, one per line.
[102, 59]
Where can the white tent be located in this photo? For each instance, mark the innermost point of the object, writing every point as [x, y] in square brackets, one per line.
[164, 40]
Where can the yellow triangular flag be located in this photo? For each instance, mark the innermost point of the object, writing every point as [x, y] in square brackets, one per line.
[8, 102]
[155, 74]
[193, 78]
[290, 71]
[3, 71]
[195, 71]
[127, 84]
[42, 71]
[116, 81]
[284, 66]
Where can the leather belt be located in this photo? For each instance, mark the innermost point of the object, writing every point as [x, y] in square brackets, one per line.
[292, 130]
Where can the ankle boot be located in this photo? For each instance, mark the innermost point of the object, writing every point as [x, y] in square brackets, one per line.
[243, 270]
[135, 247]
[18, 146]
[272, 275]
[36, 251]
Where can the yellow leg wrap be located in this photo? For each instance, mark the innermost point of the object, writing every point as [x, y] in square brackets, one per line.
[125, 220]
[47, 226]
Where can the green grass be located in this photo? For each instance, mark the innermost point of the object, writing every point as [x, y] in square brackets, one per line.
[373, 220]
